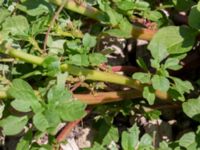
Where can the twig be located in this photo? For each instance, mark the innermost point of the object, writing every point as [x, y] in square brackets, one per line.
[52, 23]
[78, 84]
[67, 130]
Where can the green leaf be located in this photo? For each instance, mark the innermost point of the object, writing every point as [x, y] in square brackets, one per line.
[108, 133]
[20, 89]
[97, 59]
[153, 15]
[42, 147]
[40, 25]
[24, 94]
[25, 142]
[53, 118]
[16, 25]
[188, 140]
[172, 40]
[182, 5]
[74, 47]
[158, 48]
[52, 65]
[141, 5]
[142, 64]
[162, 71]
[125, 5]
[79, 60]
[172, 64]
[61, 79]
[21, 105]
[96, 146]
[182, 86]
[153, 115]
[56, 47]
[131, 138]
[176, 95]
[124, 29]
[155, 63]
[114, 17]
[142, 77]
[71, 110]
[149, 94]
[111, 136]
[194, 17]
[4, 13]
[191, 109]
[145, 142]
[160, 83]
[89, 41]
[164, 146]
[40, 122]
[13, 125]
[58, 94]
[35, 8]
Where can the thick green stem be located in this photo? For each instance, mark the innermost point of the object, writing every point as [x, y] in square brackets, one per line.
[91, 12]
[81, 8]
[89, 74]
[78, 71]
[25, 57]
[102, 76]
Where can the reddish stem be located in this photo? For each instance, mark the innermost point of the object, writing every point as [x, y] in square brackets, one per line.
[107, 97]
[131, 69]
[142, 33]
[52, 23]
[67, 130]
[78, 84]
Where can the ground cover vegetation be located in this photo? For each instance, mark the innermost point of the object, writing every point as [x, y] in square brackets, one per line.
[54, 70]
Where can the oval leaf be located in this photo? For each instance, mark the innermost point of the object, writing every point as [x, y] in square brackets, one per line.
[13, 125]
[191, 109]
[172, 40]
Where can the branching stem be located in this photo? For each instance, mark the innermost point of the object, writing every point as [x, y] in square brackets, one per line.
[52, 23]
[91, 12]
[87, 73]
